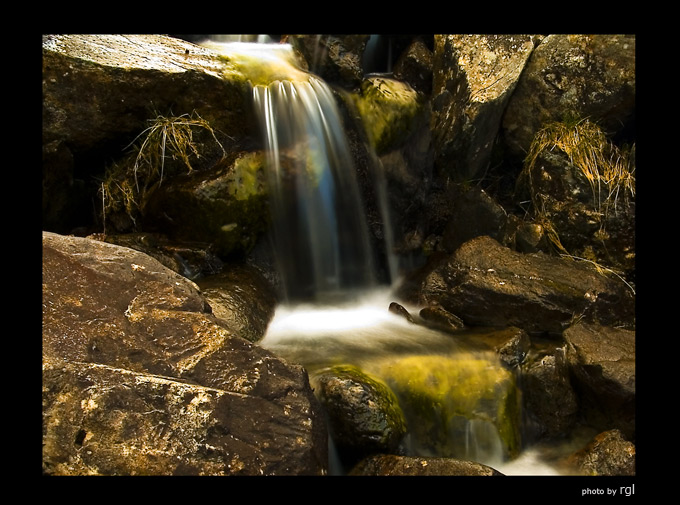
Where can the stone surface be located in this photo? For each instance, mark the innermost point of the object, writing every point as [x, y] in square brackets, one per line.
[364, 415]
[390, 465]
[123, 338]
[474, 77]
[485, 283]
[608, 454]
[585, 75]
[101, 91]
[602, 361]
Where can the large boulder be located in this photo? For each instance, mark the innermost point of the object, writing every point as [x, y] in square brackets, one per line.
[589, 76]
[602, 362]
[104, 95]
[474, 78]
[463, 406]
[363, 414]
[487, 284]
[140, 377]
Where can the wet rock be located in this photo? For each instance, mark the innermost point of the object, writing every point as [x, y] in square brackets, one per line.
[474, 77]
[226, 206]
[123, 338]
[551, 404]
[391, 465]
[609, 453]
[363, 414]
[602, 361]
[487, 284]
[448, 400]
[242, 299]
[511, 344]
[390, 110]
[335, 58]
[100, 91]
[441, 319]
[400, 310]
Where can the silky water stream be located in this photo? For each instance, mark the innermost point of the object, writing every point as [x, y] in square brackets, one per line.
[457, 399]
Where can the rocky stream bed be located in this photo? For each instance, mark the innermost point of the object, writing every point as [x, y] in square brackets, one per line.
[506, 163]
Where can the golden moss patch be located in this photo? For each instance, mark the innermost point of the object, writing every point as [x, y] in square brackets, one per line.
[387, 108]
[447, 394]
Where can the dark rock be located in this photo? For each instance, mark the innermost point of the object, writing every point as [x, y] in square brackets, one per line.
[474, 214]
[551, 404]
[441, 319]
[608, 454]
[335, 58]
[474, 77]
[602, 361]
[101, 91]
[124, 337]
[242, 299]
[487, 284]
[585, 75]
[415, 66]
[363, 414]
[390, 465]
[226, 206]
[400, 310]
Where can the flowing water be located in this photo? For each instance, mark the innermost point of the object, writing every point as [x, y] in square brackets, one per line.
[335, 311]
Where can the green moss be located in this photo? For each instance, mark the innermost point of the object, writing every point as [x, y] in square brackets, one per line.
[388, 108]
[260, 66]
[246, 179]
[446, 394]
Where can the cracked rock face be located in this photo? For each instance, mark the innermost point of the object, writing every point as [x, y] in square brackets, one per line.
[139, 377]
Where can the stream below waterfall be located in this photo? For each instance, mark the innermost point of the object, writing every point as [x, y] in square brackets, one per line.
[364, 333]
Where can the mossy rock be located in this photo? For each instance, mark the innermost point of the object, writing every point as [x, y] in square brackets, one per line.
[364, 414]
[446, 399]
[227, 207]
[388, 109]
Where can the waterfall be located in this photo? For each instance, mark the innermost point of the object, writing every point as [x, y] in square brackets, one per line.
[323, 248]
[320, 235]
[320, 232]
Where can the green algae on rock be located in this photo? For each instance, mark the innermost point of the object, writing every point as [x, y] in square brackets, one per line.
[446, 399]
[388, 108]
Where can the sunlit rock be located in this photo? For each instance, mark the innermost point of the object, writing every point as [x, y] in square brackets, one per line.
[140, 377]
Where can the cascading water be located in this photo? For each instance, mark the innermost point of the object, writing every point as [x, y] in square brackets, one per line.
[323, 249]
[320, 233]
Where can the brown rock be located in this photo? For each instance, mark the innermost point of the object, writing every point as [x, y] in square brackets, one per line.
[140, 377]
